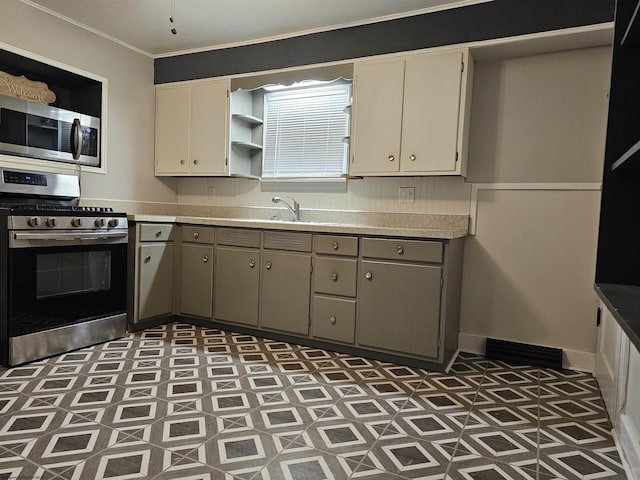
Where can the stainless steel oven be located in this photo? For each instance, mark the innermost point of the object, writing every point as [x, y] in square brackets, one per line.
[63, 283]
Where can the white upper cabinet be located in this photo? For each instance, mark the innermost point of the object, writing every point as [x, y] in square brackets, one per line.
[191, 128]
[411, 115]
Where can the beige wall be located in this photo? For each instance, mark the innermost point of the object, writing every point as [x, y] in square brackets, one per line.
[131, 104]
[540, 118]
[529, 271]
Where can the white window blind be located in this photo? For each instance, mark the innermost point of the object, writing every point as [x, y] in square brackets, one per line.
[304, 132]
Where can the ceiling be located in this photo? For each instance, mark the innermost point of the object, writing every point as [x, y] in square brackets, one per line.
[204, 24]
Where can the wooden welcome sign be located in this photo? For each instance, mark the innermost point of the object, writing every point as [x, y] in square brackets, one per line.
[21, 87]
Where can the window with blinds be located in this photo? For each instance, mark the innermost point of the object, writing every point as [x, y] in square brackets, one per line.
[306, 132]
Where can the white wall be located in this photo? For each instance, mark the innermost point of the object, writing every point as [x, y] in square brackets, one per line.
[432, 195]
[131, 99]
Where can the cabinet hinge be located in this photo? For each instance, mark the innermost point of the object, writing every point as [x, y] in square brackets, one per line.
[311, 268]
[226, 162]
[456, 156]
[441, 282]
[353, 158]
[227, 93]
[598, 317]
[462, 67]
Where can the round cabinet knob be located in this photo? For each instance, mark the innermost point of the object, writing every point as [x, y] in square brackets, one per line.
[147, 259]
[335, 245]
[158, 233]
[205, 259]
[400, 250]
[391, 158]
[76, 222]
[268, 266]
[34, 221]
[412, 157]
[196, 235]
[333, 319]
[100, 222]
[368, 275]
[181, 162]
[334, 277]
[195, 162]
[252, 263]
[114, 222]
[51, 222]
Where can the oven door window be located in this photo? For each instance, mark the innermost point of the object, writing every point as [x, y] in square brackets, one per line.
[58, 286]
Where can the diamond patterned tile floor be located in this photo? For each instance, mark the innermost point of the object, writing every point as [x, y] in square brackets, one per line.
[185, 402]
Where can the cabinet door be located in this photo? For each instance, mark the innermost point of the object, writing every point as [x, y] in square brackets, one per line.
[209, 112]
[155, 280]
[286, 286]
[377, 117]
[399, 307]
[431, 113]
[172, 130]
[237, 278]
[196, 292]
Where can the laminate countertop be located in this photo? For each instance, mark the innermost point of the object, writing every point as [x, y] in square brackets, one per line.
[428, 226]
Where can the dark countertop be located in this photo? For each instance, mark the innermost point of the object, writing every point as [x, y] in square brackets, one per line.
[624, 303]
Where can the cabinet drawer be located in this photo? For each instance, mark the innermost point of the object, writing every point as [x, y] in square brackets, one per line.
[413, 250]
[154, 232]
[195, 234]
[297, 242]
[238, 237]
[335, 276]
[336, 245]
[334, 318]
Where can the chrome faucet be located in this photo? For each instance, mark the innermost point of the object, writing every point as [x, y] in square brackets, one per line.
[295, 209]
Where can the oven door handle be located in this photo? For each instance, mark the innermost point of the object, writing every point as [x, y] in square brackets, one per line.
[68, 236]
[30, 239]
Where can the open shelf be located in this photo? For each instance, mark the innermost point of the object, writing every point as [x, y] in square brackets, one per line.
[631, 36]
[629, 160]
[248, 145]
[248, 119]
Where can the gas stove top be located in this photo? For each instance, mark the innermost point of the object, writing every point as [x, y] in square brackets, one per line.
[64, 210]
[44, 200]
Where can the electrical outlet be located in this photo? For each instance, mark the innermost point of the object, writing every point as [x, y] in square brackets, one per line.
[407, 194]
[211, 193]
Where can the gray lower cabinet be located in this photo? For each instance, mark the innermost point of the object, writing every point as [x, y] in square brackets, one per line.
[285, 292]
[237, 274]
[333, 312]
[196, 289]
[399, 303]
[154, 281]
[286, 282]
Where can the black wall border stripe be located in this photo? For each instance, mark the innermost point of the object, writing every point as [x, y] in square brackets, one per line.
[484, 21]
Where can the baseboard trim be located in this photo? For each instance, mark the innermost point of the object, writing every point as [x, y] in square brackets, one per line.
[571, 359]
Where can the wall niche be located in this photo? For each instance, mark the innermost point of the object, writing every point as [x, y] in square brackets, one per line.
[73, 92]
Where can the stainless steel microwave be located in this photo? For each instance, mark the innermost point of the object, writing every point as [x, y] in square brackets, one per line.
[29, 129]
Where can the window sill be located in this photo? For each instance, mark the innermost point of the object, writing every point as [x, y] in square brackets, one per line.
[324, 185]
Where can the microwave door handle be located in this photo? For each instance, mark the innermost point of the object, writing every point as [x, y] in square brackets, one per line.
[76, 138]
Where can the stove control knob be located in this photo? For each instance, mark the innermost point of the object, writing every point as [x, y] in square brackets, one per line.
[34, 221]
[100, 222]
[51, 222]
[114, 222]
[76, 222]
